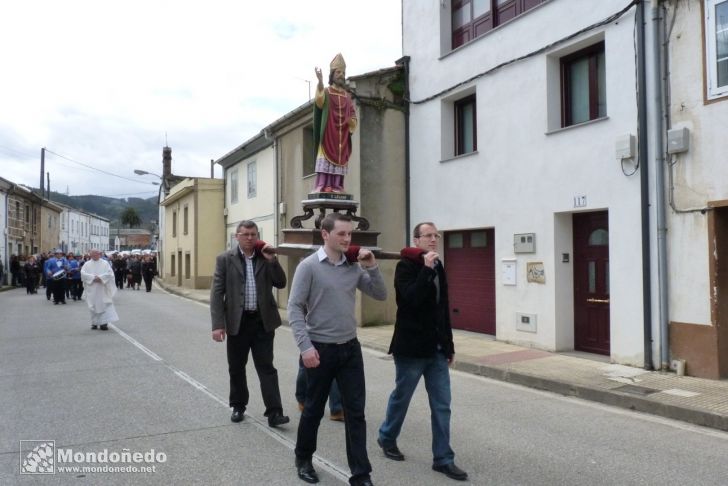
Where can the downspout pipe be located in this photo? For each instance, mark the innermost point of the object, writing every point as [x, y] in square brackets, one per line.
[404, 62]
[660, 206]
[644, 188]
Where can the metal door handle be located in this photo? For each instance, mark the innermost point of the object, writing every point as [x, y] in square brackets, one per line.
[598, 301]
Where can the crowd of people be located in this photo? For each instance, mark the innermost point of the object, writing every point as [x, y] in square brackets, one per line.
[60, 273]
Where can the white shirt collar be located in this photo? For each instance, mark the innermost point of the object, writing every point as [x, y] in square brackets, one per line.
[321, 254]
[243, 253]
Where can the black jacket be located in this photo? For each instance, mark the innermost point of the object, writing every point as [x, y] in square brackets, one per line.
[423, 325]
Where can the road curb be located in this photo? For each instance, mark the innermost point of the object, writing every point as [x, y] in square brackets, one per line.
[594, 394]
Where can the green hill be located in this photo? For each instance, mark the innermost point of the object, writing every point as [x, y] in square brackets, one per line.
[111, 208]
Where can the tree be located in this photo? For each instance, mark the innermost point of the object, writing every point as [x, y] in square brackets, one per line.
[130, 217]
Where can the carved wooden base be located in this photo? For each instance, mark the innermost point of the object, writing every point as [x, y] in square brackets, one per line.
[310, 206]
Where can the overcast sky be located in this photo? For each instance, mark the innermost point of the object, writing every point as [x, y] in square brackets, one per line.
[101, 82]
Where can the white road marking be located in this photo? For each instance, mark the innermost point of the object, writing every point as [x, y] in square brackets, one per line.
[335, 470]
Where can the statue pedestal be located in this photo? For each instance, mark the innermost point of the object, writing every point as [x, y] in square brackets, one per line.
[299, 241]
[333, 205]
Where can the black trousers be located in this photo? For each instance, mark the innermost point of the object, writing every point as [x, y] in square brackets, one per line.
[119, 276]
[74, 288]
[254, 339]
[148, 277]
[58, 288]
[343, 362]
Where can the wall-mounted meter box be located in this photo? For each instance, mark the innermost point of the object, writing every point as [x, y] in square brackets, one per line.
[524, 243]
[678, 140]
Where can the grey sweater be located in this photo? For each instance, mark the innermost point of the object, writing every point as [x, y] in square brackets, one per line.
[328, 293]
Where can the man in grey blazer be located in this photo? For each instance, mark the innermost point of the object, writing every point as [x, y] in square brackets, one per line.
[243, 308]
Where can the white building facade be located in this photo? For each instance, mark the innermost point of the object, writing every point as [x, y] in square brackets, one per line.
[697, 192]
[523, 129]
[81, 231]
[250, 188]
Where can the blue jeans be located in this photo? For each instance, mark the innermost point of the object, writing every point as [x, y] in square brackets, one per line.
[335, 405]
[437, 384]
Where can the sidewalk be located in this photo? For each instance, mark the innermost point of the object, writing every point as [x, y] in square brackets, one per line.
[694, 400]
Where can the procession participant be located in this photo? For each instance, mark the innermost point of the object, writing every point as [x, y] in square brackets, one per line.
[98, 279]
[55, 277]
[31, 276]
[74, 277]
[149, 270]
[422, 346]
[321, 315]
[243, 308]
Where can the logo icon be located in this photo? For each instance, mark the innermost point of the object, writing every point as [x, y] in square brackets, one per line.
[41, 458]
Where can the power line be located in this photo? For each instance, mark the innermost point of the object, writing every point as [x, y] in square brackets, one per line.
[97, 169]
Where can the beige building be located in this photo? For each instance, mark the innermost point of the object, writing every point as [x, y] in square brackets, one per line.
[33, 223]
[194, 232]
[376, 177]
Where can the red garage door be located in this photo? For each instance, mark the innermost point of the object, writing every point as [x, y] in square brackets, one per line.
[470, 265]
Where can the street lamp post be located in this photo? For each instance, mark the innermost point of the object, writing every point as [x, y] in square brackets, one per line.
[160, 220]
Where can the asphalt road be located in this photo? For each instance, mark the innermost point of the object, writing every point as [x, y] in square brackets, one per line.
[157, 382]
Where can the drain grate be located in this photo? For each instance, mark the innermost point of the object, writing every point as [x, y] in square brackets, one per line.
[642, 391]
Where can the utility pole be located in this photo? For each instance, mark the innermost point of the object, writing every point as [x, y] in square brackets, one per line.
[42, 170]
[48, 176]
[212, 168]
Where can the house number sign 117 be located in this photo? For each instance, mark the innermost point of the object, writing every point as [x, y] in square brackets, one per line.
[580, 201]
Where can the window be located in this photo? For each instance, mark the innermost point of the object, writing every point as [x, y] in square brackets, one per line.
[185, 224]
[187, 265]
[27, 213]
[174, 223]
[716, 44]
[308, 156]
[252, 180]
[234, 186]
[583, 86]
[465, 126]
[17, 210]
[472, 18]
[172, 265]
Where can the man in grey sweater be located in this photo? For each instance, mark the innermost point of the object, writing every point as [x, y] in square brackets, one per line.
[321, 314]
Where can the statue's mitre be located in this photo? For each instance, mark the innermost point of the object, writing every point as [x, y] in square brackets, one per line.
[338, 63]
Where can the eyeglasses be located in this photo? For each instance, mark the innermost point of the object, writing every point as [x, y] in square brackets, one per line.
[429, 236]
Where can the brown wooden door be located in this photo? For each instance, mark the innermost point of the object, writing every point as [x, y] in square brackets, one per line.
[591, 282]
[470, 266]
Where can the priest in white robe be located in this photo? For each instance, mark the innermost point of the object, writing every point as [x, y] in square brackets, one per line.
[100, 287]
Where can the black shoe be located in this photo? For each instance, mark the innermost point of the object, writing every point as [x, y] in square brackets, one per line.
[238, 415]
[391, 452]
[94, 326]
[277, 419]
[305, 471]
[55, 303]
[451, 471]
[362, 482]
[63, 302]
[104, 327]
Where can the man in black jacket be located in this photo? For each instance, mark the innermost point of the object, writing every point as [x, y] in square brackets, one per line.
[422, 346]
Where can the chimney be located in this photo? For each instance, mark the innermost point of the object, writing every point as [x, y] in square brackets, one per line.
[166, 162]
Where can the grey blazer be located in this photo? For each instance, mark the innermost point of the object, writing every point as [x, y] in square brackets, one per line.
[227, 295]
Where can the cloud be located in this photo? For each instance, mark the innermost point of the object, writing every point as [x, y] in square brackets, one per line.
[108, 85]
